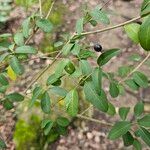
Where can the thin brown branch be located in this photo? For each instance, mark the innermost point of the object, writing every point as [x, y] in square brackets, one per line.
[94, 120]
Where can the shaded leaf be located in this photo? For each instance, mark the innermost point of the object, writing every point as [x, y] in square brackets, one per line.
[62, 121]
[128, 139]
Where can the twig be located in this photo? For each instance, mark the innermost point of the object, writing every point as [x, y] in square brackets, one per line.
[113, 27]
[135, 69]
[94, 120]
[105, 4]
[49, 12]
[40, 7]
[46, 68]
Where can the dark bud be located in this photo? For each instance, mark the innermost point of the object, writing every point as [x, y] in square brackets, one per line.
[97, 47]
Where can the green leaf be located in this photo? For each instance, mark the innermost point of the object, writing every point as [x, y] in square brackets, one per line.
[16, 66]
[79, 26]
[45, 103]
[52, 79]
[45, 25]
[140, 79]
[111, 109]
[76, 49]
[60, 68]
[3, 49]
[67, 48]
[59, 91]
[145, 9]
[144, 33]
[132, 31]
[71, 102]
[145, 135]
[70, 68]
[26, 27]
[5, 35]
[113, 89]
[106, 56]
[48, 127]
[138, 109]
[3, 89]
[85, 67]
[58, 44]
[62, 121]
[120, 128]
[144, 121]
[145, 4]
[44, 123]
[36, 93]
[137, 145]
[7, 104]
[3, 79]
[19, 39]
[132, 84]
[123, 71]
[15, 97]
[99, 16]
[84, 54]
[99, 101]
[2, 144]
[3, 56]
[61, 130]
[97, 79]
[123, 112]
[128, 139]
[135, 57]
[25, 50]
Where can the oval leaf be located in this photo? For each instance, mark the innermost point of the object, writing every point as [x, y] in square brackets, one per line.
[113, 89]
[123, 112]
[144, 33]
[119, 129]
[16, 66]
[71, 102]
[45, 103]
[132, 31]
[45, 25]
[106, 56]
[138, 109]
[99, 101]
[144, 121]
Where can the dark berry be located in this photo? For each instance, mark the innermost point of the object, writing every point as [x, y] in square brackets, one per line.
[97, 47]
